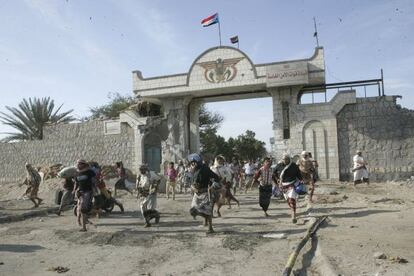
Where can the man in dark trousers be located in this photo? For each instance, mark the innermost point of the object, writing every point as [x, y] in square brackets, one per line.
[85, 185]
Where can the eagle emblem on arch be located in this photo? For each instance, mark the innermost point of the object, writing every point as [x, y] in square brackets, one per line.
[220, 70]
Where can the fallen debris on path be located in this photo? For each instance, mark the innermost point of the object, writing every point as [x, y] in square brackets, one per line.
[311, 231]
[59, 269]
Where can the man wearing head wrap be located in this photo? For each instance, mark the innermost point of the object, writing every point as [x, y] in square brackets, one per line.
[32, 180]
[288, 175]
[202, 185]
[267, 178]
[360, 169]
[147, 186]
[307, 170]
[225, 174]
[85, 185]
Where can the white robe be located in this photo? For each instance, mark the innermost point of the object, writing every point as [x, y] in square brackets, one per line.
[360, 173]
[224, 172]
[148, 202]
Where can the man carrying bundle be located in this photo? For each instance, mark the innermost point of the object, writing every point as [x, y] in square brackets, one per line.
[85, 185]
[147, 186]
[288, 175]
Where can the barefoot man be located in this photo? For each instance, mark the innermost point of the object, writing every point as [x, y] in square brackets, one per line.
[85, 185]
[266, 183]
[288, 176]
[202, 204]
[147, 186]
[33, 180]
[307, 170]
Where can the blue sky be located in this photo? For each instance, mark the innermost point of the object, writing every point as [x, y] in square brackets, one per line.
[77, 51]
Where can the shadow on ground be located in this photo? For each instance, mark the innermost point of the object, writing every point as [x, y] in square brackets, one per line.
[19, 248]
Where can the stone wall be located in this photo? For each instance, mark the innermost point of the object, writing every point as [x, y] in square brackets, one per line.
[65, 144]
[383, 131]
[312, 128]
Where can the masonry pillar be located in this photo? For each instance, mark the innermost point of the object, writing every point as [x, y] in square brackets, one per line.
[139, 147]
[175, 147]
[137, 123]
[194, 125]
[284, 102]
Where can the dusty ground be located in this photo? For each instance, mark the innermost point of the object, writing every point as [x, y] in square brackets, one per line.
[362, 221]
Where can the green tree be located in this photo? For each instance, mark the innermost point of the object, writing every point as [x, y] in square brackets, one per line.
[116, 105]
[208, 119]
[246, 146]
[214, 145]
[31, 116]
[211, 144]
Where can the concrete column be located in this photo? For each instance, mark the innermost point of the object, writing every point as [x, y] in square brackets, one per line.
[175, 147]
[138, 125]
[280, 95]
[139, 147]
[194, 108]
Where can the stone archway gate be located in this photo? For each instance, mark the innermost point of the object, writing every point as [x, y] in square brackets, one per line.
[228, 73]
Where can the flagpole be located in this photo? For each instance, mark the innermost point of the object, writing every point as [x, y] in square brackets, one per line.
[316, 32]
[219, 31]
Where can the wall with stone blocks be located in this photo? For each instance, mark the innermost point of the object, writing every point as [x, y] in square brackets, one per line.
[383, 131]
[312, 128]
[65, 144]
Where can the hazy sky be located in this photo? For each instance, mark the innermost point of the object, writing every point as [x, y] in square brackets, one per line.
[77, 51]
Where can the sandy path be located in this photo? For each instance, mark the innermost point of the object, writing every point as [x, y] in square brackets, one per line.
[362, 221]
[178, 246]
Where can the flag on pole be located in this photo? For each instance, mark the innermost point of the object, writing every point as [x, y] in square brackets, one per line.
[234, 39]
[315, 34]
[212, 19]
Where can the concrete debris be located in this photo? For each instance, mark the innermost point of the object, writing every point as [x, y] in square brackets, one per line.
[59, 269]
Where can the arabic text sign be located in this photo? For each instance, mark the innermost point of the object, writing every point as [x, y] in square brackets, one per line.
[112, 127]
[287, 74]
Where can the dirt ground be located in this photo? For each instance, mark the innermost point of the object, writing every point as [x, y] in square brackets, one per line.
[362, 221]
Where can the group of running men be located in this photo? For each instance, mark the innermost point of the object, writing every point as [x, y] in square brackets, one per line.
[286, 179]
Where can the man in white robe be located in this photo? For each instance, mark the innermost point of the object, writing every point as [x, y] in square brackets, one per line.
[360, 169]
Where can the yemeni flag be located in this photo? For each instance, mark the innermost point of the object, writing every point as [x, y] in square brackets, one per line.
[212, 19]
[234, 39]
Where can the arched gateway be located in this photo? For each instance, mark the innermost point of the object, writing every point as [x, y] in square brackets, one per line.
[226, 73]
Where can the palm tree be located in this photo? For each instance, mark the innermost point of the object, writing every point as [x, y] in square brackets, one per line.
[31, 116]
